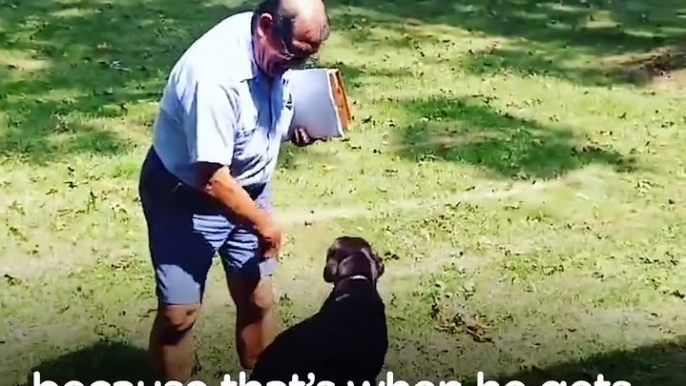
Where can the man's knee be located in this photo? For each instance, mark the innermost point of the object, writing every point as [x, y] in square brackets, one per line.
[253, 297]
[262, 299]
[173, 321]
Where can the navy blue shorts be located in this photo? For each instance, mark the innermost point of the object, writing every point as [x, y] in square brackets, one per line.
[187, 228]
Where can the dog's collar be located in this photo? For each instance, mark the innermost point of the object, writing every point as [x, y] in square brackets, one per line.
[350, 278]
[354, 277]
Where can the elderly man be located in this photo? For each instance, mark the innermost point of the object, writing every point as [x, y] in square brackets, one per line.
[205, 183]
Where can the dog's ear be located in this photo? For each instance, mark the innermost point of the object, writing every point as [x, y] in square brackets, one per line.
[331, 266]
[380, 267]
[330, 270]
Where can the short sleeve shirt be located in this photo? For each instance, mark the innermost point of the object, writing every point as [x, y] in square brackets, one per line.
[219, 107]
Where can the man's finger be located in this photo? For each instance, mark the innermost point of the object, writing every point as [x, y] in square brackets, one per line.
[268, 253]
[305, 137]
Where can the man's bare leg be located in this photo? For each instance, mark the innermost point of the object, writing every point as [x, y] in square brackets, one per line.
[171, 342]
[255, 317]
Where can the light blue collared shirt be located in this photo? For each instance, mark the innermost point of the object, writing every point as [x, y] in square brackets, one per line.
[219, 107]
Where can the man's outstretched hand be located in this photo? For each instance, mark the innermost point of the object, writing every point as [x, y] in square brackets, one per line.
[301, 138]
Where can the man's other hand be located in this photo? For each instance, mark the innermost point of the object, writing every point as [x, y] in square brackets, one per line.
[301, 138]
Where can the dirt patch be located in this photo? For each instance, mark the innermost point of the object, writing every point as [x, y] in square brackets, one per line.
[663, 67]
[24, 65]
[672, 81]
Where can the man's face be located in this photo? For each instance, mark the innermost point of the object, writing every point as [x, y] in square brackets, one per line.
[275, 53]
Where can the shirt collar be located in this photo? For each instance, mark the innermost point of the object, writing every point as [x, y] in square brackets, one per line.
[247, 67]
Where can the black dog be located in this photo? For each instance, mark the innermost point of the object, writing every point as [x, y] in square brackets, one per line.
[347, 339]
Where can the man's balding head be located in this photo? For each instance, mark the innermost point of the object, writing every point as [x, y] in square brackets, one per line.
[287, 32]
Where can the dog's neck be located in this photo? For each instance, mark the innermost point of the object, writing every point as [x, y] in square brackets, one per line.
[344, 282]
[346, 286]
[355, 277]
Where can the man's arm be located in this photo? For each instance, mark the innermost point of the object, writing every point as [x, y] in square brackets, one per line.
[210, 122]
[218, 183]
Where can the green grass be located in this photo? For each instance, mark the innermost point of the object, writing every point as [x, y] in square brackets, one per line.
[519, 163]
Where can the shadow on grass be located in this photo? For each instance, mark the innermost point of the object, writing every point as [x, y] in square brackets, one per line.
[67, 63]
[659, 364]
[562, 38]
[470, 131]
[103, 361]
[638, 70]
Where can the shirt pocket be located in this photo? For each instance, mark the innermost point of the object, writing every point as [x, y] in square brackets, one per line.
[247, 125]
[285, 118]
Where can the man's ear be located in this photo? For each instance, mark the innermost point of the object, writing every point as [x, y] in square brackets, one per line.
[264, 25]
[330, 270]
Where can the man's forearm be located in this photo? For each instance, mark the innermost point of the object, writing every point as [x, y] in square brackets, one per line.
[218, 183]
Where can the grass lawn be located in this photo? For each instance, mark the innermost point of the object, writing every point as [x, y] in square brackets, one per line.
[519, 163]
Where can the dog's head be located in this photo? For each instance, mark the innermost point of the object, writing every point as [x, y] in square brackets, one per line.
[352, 256]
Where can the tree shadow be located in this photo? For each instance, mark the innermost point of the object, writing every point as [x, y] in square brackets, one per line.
[524, 62]
[468, 130]
[639, 70]
[67, 64]
[661, 364]
[108, 361]
[563, 38]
